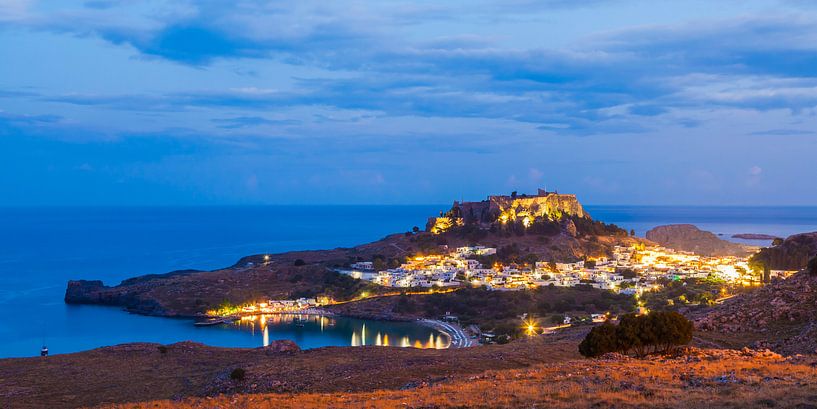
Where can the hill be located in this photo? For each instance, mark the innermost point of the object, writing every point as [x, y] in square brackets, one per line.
[792, 254]
[686, 237]
[523, 229]
[781, 316]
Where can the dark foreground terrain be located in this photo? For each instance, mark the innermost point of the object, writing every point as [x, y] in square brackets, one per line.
[691, 379]
[143, 372]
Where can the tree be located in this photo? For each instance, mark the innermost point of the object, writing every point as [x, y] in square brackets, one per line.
[415, 229]
[599, 341]
[671, 329]
[379, 264]
[812, 267]
[661, 330]
[777, 241]
[632, 232]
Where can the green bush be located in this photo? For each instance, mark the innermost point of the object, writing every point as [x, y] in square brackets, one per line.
[599, 341]
[661, 330]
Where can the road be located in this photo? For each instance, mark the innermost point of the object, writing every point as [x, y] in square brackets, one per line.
[458, 337]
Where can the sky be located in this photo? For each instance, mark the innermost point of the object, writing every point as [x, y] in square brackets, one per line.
[652, 102]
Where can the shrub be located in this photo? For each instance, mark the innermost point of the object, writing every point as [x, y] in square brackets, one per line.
[812, 267]
[238, 374]
[162, 349]
[299, 262]
[661, 330]
[599, 341]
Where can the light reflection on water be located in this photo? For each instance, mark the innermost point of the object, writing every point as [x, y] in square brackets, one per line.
[357, 332]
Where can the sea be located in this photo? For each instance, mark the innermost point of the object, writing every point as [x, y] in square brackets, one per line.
[41, 248]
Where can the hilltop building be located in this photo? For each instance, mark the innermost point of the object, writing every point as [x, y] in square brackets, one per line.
[504, 209]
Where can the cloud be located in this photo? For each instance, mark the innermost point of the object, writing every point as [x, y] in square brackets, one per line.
[616, 82]
[251, 121]
[782, 132]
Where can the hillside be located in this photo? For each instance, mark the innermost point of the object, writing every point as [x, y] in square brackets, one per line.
[686, 237]
[781, 316]
[792, 254]
[257, 277]
[495, 310]
[141, 372]
[696, 378]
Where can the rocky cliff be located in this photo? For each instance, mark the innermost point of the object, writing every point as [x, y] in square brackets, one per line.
[686, 237]
[515, 208]
[793, 254]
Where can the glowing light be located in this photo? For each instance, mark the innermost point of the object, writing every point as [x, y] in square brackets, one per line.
[266, 336]
[526, 222]
[385, 340]
[530, 327]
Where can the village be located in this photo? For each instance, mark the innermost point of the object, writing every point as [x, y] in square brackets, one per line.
[631, 270]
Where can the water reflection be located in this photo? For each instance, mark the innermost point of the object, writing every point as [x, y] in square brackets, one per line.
[303, 328]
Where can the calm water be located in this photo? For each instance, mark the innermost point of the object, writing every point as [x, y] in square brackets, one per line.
[725, 221]
[42, 248]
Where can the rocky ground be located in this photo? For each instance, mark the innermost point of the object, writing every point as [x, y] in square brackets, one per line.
[143, 372]
[693, 378]
[781, 316]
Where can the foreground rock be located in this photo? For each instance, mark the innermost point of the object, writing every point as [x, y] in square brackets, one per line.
[686, 237]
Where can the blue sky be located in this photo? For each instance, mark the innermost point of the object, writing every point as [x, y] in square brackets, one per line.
[251, 102]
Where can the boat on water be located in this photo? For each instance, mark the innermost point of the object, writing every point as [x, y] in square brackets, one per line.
[214, 321]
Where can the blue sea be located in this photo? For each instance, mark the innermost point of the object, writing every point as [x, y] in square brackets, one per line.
[42, 248]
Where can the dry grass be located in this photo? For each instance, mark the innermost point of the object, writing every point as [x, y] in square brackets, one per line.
[729, 382]
[140, 372]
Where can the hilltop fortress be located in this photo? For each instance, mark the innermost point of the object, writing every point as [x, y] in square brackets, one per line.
[509, 209]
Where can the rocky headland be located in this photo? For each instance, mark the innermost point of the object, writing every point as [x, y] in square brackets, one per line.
[687, 237]
[548, 226]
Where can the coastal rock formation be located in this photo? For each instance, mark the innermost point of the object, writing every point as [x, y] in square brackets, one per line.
[754, 236]
[793, 254]
[687, 237]
[780, 316]
[95, 292]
